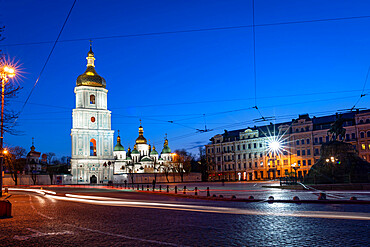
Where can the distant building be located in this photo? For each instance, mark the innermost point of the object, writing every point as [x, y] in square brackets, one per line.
[33, 162]
[142, 159]
[241, 154]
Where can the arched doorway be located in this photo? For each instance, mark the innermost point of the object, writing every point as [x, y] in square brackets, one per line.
[93, 179]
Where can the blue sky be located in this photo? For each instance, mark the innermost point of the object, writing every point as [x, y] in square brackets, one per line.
[314, 68]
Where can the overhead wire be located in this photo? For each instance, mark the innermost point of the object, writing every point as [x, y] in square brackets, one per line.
[363, 89]
[192, 30]
[46, 62]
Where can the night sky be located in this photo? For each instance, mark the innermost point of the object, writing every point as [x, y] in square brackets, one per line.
[312, 67]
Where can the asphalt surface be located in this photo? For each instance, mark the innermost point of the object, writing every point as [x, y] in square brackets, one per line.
[103, 217]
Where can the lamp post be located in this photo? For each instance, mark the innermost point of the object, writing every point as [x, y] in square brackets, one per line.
[5, 73]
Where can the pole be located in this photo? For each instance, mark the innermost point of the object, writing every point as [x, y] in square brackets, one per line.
[2, 136]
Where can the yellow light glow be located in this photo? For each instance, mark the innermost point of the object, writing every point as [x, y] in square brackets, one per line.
[5, 151]
[10, 70]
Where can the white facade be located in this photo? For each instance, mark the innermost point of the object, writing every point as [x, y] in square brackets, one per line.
[92, 138]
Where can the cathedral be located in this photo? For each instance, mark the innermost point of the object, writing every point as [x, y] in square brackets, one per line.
[94, 158]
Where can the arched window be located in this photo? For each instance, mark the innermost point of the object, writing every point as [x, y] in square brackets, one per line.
[367, 120]
[361, 121]
[92, 99]
[368, 134]
[362, 135]
[92, 147]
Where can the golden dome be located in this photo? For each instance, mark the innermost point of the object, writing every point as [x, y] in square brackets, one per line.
[141, 139]
[90, 77]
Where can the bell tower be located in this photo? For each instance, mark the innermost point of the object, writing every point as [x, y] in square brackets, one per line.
[92, 137]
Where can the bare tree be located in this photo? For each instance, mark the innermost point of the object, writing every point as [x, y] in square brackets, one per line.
[50, 169]
[166, 168]
[15, 162]
[182, 163]
[11, 91]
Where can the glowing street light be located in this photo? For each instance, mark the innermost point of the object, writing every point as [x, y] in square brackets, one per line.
[6, 72]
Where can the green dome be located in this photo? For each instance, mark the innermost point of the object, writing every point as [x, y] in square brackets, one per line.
[153, 152]
[135, 152]
[145, 159]
[166, 150]
[118, 147]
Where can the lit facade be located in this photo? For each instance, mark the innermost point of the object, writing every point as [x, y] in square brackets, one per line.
[92, 137]
[241, 154]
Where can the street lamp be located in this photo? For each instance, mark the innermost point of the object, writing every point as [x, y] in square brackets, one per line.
[6, 72]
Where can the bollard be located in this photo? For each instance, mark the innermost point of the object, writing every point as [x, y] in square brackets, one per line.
[147, 187]
[196, 191]
[138, 187]
[184, 191]
[322, 196]
[175, 189]
[233, 197]
[353, 198]
[270, 199]
[208, 194]
[168, 189]
[153, 188]
[221, 196]
[160, 188]
[251, 198]
[296, 198]
[142, 187]
[214, 195]
[5, 209]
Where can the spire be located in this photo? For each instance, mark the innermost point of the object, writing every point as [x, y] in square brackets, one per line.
[33, 143]
[118, 146]
[90, 56]
[141, 139]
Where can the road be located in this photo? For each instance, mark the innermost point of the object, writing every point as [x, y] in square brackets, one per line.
[103, 217]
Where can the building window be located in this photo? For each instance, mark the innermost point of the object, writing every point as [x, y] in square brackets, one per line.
[304, 162]
[347, 137]
[308, 141]
[260, 155]
[92, 147]
[243, 146]
[298, 153]
[308, 151]
[239, 167]
[297, 142]
[363, 146]
[260, 145]
[255, 155]
[285, 162]
[245, 165]
[250, 164]
[92, 99]
[362, 135]
[368, 134]
[255, 164]
[303, 152]
[317, 151]
[315, 140]
[302, 141]
[353, 136]
[244, 156]
[309, 162]
[320, 140]
[255, 145]
[299, 163]
[250, 155]
[249, 146]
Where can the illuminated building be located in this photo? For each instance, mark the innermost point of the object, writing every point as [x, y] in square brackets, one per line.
[92, 137]
[242, 154]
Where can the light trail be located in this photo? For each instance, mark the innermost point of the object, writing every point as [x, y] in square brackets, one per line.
[106, 201]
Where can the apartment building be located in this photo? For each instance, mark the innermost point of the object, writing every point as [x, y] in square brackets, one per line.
[242, 154]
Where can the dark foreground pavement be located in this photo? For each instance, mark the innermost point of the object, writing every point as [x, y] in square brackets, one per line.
[116, 218]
